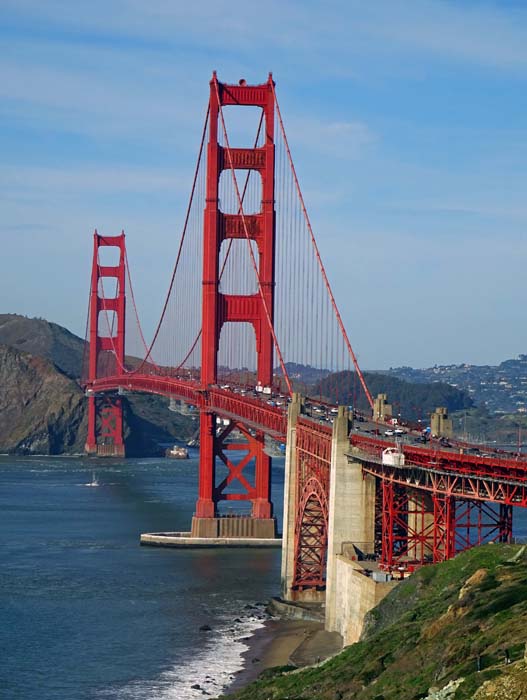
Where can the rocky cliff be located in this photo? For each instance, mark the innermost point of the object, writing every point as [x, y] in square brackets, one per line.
[42, 411]
[43, 339]
[43, 408]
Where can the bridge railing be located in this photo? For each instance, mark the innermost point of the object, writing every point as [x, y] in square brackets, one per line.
[253, 411]
[472, 465]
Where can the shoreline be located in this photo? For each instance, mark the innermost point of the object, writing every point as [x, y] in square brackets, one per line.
[284, 642]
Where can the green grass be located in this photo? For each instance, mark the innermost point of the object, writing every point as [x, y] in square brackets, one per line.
[407, 650]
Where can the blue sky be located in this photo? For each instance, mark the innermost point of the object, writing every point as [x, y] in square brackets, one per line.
[407, 122]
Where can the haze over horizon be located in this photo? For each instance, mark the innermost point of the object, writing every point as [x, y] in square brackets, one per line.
[407, 126]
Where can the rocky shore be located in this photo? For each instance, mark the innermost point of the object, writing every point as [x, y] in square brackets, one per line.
[292, 643]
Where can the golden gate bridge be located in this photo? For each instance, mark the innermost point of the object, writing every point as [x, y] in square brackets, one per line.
[248, 298]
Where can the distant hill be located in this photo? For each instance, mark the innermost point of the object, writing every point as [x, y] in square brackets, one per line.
[304, 374]
[43, 408]
[498, 388]
[43, 339]
[412, 401]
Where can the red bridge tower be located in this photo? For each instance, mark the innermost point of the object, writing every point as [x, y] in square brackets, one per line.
[106, 351]
[218, 309]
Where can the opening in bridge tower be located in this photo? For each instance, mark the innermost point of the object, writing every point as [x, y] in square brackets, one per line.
[256, 309]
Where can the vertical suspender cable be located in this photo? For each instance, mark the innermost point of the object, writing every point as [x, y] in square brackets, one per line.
[326, 281]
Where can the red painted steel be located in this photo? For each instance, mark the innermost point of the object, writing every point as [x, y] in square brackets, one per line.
[471, 500]
[491, 469]
[255, 414]
[444, 544]
[313, 461]
[105, 421]
[217, 308]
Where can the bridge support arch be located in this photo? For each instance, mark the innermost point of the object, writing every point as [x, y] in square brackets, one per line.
[317, 465]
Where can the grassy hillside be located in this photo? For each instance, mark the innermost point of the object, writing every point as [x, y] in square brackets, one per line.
[426, 634]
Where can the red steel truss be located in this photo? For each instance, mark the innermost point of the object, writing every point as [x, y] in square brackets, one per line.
[418, 528]
[470, 477]
[313, 461]
[218, 309]
[406, 529]
[106, 349]
[431, 511]
[254, 414]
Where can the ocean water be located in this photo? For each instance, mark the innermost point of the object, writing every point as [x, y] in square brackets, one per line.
[88, 614]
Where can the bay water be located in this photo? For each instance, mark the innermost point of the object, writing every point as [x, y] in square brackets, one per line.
[86, 613]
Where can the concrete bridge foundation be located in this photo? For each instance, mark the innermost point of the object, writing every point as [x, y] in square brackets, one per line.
[351, 515]
[351, 512]
[290, 499]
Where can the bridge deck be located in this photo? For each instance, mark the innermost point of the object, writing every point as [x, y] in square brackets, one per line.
[450, 462]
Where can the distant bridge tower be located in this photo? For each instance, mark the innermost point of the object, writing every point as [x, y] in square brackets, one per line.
[219, 309]
[106, 350]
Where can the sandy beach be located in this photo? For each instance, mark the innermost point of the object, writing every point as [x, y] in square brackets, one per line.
[285, 643]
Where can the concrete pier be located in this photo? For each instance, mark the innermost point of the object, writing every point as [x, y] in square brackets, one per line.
[185, 540]
[359, 587]
[351, 516]
[290, 497]
[234, 526]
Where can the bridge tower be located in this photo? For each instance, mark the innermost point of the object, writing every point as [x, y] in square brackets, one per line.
[106, 350]
[219, 309]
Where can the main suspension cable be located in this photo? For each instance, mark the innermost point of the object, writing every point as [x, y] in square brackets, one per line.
[317, 253]
[180, 249]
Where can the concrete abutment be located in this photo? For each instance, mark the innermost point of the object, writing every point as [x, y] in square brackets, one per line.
[350, 592]
[290, 499]
[351, 516]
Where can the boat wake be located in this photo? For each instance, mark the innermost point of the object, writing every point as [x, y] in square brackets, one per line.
[94, 481]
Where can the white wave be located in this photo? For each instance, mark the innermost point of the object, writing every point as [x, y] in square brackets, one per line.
[213, 668]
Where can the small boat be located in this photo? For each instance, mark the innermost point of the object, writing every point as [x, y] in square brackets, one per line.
[177, 452]
[94, 481]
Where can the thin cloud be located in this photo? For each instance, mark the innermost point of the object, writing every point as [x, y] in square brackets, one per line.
[485, 34]
[341, 139]
[40, 181]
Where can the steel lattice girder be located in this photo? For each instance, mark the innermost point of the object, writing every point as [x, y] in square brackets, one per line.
[453, 526]
[484, 478]
[431, 478]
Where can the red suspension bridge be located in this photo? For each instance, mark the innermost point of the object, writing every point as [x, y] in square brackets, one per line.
[248, 299]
